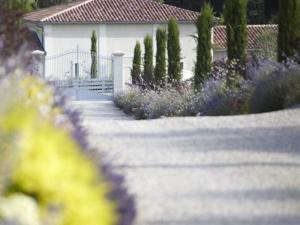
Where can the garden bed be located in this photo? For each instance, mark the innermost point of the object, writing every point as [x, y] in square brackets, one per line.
[266, 86]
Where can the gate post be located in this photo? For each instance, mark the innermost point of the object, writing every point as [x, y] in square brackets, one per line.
[38, 63]
[118, 72]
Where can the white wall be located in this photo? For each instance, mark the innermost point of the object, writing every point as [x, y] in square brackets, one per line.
[61, 38]
[112, 38]
[219, 54]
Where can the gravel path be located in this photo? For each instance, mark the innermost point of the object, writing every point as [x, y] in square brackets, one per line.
[242, 170]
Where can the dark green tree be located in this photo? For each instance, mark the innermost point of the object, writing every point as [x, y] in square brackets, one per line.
[204, 46]
[161, 66]
[47, 3]
[148, 60]
[235, 16]
[94, 55]
[271, 10]
[289, 26]
[23, 5]
[136, 64]
[13, 34]
[256, 12]
[174, 52]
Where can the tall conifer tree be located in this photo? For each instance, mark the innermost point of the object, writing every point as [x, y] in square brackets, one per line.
[204, 46]
[136, 64]
[148, 60]
[289, 29]
[94, 55]
[235, 16]
[160, 68]
[174, 52]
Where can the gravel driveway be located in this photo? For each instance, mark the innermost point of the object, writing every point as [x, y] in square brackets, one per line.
[242, 170]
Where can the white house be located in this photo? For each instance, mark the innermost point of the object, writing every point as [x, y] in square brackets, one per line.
[65, 32]
[259, 38]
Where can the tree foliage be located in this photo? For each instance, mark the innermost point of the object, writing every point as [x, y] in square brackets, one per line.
[47, 3]
[204, 46]
[94, 55]
[160, 68]
[148, 60]
[256, 12]
[289, 34]
[268, 45]
[23, 5]
[260, 11]
[174, 52]
[13, 34]
[136, 64]
[29, 5]
[235, 16]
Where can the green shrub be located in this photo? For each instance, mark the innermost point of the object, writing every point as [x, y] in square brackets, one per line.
[130, 101]
[276, 91]
[271, 86]
[268, 45]
[218, 99]
[292, 97]
[152, 104]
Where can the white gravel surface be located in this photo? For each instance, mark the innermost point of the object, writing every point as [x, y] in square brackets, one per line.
[241, 170]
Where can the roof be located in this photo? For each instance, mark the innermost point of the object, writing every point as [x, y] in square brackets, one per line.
[111, 11]
[255, 33]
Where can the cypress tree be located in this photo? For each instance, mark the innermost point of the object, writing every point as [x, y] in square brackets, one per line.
[148, 60]
[160, 68]
[204, 57]
[256, 9]
[174, 52]
[94, 55]
[47, 3]
[136, 64]
[235, 16]
[24, 5]
[289, 25]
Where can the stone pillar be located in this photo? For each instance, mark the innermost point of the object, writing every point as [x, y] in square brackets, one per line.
[38, 63]
[212, 43]
[118, 72]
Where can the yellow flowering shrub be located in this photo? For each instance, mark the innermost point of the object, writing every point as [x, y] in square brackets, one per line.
[51, 166]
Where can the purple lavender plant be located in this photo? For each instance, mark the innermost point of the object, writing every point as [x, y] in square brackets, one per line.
[276, 88]
[257, 67]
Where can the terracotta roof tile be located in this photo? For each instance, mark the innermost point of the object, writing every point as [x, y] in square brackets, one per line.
[111, 11]
[254, 34]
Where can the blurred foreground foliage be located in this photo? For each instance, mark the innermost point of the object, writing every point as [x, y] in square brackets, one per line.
[42, 168]
[47, 176]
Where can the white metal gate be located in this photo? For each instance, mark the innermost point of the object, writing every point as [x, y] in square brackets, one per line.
[72, 70]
